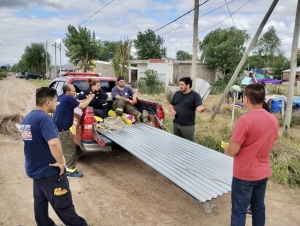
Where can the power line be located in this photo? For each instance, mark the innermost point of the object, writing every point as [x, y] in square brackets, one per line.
[199, 17]
[89, 17]
[96, 12]
[178, 26]
[180, 17]
[216, 23]
[230, 13]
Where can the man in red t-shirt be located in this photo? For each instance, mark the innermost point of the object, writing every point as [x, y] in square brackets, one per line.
[253, 136]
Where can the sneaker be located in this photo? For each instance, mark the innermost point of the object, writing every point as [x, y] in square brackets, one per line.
[249, 211]
[145, 116]
[76, 174]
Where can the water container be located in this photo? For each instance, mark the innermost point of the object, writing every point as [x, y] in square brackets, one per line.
[276, 105]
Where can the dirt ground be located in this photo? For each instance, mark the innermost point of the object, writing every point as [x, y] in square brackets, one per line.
[117, 188]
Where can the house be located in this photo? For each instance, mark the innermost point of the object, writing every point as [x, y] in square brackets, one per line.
[286, 74]
[71, 67]
[106, 69]
[170, 71]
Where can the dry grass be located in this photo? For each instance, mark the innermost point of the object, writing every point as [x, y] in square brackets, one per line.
[285, 155]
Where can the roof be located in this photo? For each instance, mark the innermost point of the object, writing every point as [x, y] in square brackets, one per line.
[297, 70]
[69, 66]
[198, 170]
[156, 61]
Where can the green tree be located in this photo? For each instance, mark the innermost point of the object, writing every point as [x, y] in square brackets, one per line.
[268, 46]
[120, 60]
[279, 64]
[105, 48]
[149, 45]
[223, 48]
[183, 55]
[34, 57]
[83, 47]
[254, 62]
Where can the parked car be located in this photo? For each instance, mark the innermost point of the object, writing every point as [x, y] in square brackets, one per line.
[18, 75]
[32, 75]
[86, 138]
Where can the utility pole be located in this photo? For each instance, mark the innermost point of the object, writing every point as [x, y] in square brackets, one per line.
[55, 71]
[195, 42]
[289, 105]
[60, 57]
[46, 60]
[244, 58]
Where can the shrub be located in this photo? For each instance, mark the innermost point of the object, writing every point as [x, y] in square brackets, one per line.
[219, 86]
[150, 84]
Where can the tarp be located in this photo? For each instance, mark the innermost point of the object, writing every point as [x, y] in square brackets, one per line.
[268, 81]
[259, 76]
[202, 87]
[246, 81]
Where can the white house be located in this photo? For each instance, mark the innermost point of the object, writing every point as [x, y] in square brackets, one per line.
[170, 71]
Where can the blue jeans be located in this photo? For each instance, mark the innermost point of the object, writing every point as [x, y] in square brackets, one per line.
[244, 193]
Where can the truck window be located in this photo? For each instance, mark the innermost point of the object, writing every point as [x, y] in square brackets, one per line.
[80, 85]
[107, 85]
[59, 87]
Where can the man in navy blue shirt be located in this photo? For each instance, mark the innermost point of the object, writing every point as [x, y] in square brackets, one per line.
[124, 99]
[44, 163]
[63, 118]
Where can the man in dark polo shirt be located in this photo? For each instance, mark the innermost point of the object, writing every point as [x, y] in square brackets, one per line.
[183, 106]
[63, 118]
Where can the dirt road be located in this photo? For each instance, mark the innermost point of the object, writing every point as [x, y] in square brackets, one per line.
[117, 188]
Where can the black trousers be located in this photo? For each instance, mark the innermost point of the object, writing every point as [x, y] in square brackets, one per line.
[100, 110]
[43, 192]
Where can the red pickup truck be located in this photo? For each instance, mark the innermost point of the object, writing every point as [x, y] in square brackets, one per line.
[86, 137]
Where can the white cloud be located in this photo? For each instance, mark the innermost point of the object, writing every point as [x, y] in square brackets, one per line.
[126, 18]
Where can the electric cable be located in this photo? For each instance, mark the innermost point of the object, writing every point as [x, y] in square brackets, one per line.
[200, 16]
[230, 13]
[180, 17]
[216, 23]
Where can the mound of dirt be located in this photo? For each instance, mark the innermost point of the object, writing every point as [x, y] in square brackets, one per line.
[8, 125]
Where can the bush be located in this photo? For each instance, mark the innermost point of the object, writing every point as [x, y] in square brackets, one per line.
[150, 84]
[3, 74]
[219, 86]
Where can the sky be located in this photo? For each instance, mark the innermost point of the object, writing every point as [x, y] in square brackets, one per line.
[27, 21]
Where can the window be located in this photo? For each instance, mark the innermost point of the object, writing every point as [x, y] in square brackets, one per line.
[80, 85]
[107, 85]
[59, 87]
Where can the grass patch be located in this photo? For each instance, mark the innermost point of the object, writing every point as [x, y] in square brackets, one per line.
[285, 160]
[39, 83]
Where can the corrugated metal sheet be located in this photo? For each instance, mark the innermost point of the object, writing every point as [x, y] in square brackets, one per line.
[200, 171]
